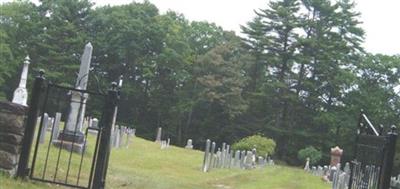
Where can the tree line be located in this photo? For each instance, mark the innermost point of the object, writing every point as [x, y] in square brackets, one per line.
[298, 74]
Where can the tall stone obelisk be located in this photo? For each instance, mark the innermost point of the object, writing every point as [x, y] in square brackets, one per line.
[72, 134]
[20, 93]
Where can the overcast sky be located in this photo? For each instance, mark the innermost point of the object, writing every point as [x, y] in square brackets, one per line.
[380, 18]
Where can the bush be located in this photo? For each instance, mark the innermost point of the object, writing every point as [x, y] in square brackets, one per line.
[309, 152]
[263, 145]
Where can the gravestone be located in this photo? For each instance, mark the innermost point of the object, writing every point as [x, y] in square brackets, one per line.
[212, 155]
[21, 94]
[168, 142]
[314, 170]
[206, 156]
[56, 127]
[307, 166]
[237, 159]
[163, 144]
[117, 136]
[189, 144]
[248, 160]
[121, 135]
[72, 134]
[159, 133]
[242, 157]
[218, 162]
[253, 157]
[94, 123]
[45, 123]
[129, 134]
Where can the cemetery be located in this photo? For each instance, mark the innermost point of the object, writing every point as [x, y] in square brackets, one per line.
[125, 96]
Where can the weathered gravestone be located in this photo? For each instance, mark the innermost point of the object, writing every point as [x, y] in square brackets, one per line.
[206, 156]
[45, 123]
[94, 124]
[307, 166]
[72, 136]
[56, 127]
[189, 144]
[159, 134]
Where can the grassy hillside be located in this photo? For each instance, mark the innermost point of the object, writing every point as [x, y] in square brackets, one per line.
[144, 165]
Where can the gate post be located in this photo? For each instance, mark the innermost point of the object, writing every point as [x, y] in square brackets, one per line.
[38, 86]
[105, 133]
[388, 159]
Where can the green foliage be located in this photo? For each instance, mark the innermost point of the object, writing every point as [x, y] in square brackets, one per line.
[263, 145]
[299, 72]
[309, 152]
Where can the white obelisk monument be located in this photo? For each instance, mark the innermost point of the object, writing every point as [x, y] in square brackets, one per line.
[21, 94]
[72, 135]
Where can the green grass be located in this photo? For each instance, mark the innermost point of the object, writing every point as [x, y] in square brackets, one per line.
[145, 166]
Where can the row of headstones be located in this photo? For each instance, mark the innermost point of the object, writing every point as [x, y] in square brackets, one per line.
[363, 178]
[164, 143]
[121, 136]
[395, 182]
[49, 124]
[227, 158]
[52, 124]
[339, 178]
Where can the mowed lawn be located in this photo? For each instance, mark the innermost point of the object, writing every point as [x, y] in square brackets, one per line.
[145, 166]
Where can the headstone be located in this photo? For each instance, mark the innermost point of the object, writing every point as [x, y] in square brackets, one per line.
[206, 156]
[332, 173]
[253, 158]
[237, 159]
[227, 156]
[121, 135]
[212, 155]
[242, 158]
[307, 166]
[43, 130]
[189, 144]
[336, 154]
[261, 161]
[163, 144]
[159, 133]
[117, 136]
[347, 170]
[72, 135]
[314, 170]
[21, 94]
[51, 123]
[56, 127]
[129, 132]
[320, 171]
[168, 142]
[94, 124]
[218, 162]
[248, 161]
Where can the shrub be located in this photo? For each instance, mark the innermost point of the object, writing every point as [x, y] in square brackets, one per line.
[314, 154]
[263, 145]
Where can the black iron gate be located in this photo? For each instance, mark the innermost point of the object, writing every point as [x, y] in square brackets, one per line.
[374, 155]
[69, 150]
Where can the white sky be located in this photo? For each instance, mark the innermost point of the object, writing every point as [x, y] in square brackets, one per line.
[380, 18]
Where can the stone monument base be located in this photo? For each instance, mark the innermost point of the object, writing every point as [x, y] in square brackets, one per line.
[71, 141]
[75, 147]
